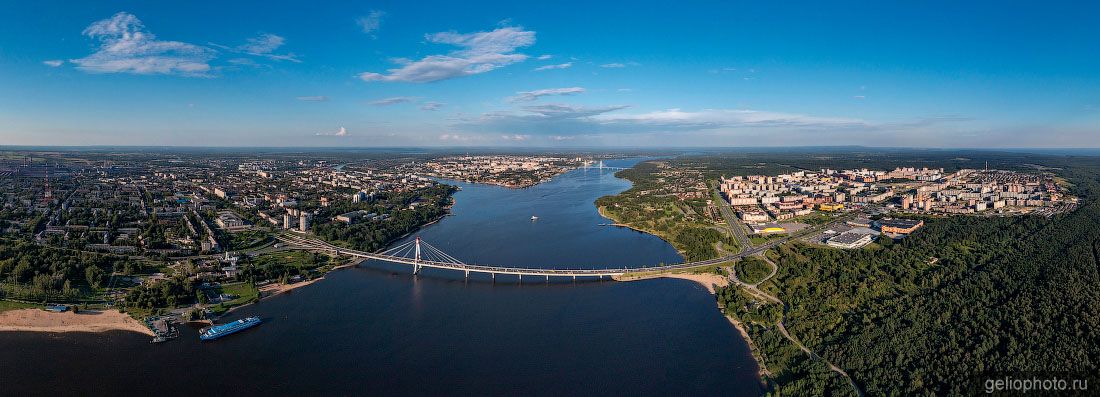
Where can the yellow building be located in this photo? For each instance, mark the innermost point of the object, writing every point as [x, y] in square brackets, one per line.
[830, 206]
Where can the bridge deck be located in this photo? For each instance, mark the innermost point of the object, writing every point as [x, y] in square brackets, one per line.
[313, 244]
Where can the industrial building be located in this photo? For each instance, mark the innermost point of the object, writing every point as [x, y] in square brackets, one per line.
[850, 240]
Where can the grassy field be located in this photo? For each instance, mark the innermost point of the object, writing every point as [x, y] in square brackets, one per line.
[758, 239]
[10, 305]
[245, 292]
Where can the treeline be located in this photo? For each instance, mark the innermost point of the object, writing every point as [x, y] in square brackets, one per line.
[779, 161]
[962, 297]
[752, 269]
[167, 293]
[697, 243]
[376, 234]
[33, 272]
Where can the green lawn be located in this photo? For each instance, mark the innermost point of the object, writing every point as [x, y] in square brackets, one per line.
[816, 218]
[758, 239]
[10, 305]
[248, 239]
[245, 292]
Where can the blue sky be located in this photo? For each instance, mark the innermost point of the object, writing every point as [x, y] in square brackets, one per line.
[921, 74]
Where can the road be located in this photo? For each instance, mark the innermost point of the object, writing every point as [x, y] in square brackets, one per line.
[735, 225]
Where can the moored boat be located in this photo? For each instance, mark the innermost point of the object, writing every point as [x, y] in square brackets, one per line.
[218, 331]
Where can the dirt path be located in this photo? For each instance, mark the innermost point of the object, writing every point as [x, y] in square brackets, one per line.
[775, 269]
[782, 328]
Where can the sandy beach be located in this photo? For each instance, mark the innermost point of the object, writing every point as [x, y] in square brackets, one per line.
[273, 289]
[707, 280]
[38, 320]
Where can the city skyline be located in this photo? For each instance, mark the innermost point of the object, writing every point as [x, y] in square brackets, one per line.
[561, 75]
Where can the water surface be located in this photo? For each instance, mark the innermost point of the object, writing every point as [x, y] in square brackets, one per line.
[376, 329]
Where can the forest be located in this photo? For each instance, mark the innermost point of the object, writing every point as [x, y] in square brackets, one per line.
[432, 204]
[927, 315]
[39, 273]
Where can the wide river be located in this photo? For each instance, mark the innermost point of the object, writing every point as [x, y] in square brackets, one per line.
[377, 329]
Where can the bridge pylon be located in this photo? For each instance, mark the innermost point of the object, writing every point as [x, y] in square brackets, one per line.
[416, 262]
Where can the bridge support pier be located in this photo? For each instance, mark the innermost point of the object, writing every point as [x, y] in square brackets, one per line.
[494, 276]
[467, 274]
[548, 279]
[521, 279]
[574, 278]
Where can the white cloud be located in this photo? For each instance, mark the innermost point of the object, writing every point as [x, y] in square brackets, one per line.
[455, 137]
[479, 53]
[859, 97]
[263, 45]
[125, 46]
[570, 120]
[527, 96]
[53, 63]
[515, 137]
[392, 100]
[243, 61]
[558, 66]
[431, 106]
[617, 65]
[340, 132]
[371, 22]
[544, 57]
[314, 98]
[548, 119]
[676, 119]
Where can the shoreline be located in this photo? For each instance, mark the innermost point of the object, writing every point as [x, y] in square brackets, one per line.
[39, 320]
[708, 281]
[616, 223]
[275, 289]
[493, 182]
[761, 368]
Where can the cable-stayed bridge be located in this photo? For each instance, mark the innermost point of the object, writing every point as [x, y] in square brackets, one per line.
[419, 254]
[590, 165]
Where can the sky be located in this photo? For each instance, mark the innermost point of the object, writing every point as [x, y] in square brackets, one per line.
[550, 74]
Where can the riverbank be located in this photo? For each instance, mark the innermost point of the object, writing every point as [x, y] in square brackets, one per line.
[38, 320]
[706, 280]
[617, 223]
[762, 369]
[274, 289]
[710, 281]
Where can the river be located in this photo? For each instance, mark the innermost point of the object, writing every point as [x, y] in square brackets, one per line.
[377, 329]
